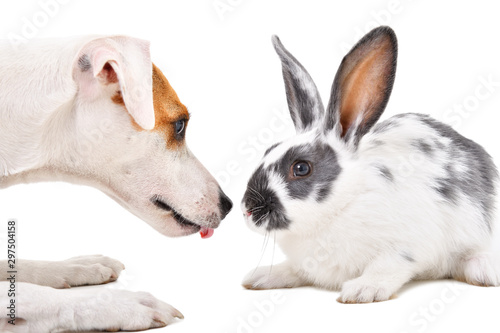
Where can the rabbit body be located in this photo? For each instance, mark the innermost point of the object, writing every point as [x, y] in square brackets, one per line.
[365, 207]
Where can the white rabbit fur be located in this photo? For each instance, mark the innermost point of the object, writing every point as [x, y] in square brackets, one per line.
[408, 198]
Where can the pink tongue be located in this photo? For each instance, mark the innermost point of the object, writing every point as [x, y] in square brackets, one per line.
[206, 232]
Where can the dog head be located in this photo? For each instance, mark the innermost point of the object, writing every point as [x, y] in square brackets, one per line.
[130, 140]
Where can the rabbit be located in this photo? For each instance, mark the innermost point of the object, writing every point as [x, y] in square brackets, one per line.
[365, 207]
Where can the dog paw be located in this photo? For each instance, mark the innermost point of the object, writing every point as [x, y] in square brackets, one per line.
[271, 277]
[88, 309]
[77, 271]
[122, 310]
[358, 291]
[92, 270]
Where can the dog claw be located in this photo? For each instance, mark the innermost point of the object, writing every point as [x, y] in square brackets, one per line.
[178, 315]
[159, 323]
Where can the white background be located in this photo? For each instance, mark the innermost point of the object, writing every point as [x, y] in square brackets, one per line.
[223, 67]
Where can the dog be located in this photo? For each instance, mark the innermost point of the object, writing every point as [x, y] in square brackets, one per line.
[95, 110]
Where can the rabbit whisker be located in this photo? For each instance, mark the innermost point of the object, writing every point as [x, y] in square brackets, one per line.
[256, 192]
[263, 251]
[256, 209]
[262, 218]
[272, 258]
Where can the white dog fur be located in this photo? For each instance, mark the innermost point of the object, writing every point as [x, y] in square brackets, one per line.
[92, 110]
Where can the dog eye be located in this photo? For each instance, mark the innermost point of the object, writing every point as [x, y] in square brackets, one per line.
[179, 126]
[301, 169]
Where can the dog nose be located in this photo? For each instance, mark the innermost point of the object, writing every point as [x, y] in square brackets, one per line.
[225, 204]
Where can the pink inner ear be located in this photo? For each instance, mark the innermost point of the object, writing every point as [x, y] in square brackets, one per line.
[108, 74]
[107, 60]
[364, 87]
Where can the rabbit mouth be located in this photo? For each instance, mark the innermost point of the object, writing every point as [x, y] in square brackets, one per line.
[259, 219]
[266, 213]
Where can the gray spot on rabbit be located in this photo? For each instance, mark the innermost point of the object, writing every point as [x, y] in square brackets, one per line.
[375, 144]
[385, 125]
[268, 150]
[378, 143]
[392, 123]
[408, 257]
[477, 181]
[439, 144]
[447, 189]
[423, 146]
[385, 172]
[325, 169]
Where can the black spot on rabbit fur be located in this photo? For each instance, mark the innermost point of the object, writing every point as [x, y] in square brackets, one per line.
[268, 150]
[385, 125]
[385, 172]
[263, 202]
[325, 169]
[423, 146]
[447, 189]
[477, 181]
[408, 257]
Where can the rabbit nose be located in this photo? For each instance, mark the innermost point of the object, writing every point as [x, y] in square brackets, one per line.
[225, 204]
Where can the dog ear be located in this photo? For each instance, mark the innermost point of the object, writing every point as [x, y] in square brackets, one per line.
[119, 60]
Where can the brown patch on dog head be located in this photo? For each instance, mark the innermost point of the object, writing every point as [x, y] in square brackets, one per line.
[168, 109]
[118, 99]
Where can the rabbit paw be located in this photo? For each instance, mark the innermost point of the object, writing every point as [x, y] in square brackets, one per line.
[479, 271]
[271, 277]
[358, 291]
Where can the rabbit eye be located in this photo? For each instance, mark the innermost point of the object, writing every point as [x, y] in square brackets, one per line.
[301, 169]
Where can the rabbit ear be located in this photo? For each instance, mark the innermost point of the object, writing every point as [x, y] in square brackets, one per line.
[363, 84]
[302, 95]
